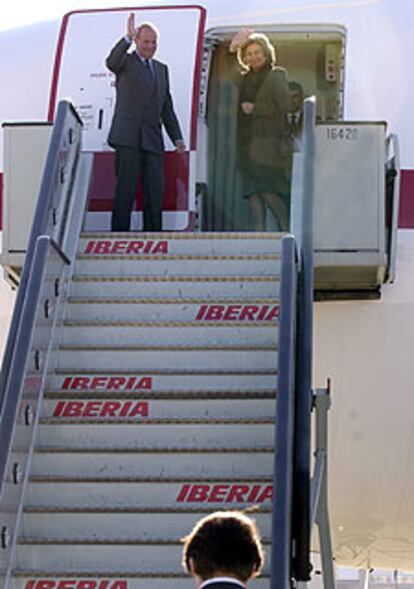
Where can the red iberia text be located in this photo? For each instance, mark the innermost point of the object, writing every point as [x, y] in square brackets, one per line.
[107, 383]
[125, 246]
[224, 493]
[101, 409]
[237, 313]
[76, 584]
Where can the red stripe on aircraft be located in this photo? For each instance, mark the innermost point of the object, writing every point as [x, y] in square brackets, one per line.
[406, 217]
[176, 178]
[56, 68]
[1, 201]
[197, 79]
[103, 183]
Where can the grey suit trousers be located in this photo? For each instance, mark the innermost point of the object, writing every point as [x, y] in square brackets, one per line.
[130, 164]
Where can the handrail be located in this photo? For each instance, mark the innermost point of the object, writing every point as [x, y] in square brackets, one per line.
[54, 196]
[302, 472]
[41, 308]
[392, 139]
[284, 434]
[42, 295]
[24, 337]
[319, 514]
[290, 552]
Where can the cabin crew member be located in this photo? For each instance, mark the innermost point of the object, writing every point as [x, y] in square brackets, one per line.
[295, 114]
[223, 551]
[143, 104]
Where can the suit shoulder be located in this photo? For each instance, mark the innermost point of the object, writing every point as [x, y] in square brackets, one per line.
[278, 76]
[280, 72]
[160, 64]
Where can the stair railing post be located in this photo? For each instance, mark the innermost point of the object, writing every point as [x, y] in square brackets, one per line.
[281, 550]
[319, 489]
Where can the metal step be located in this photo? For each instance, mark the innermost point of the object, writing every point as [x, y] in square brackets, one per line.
[193, 382]
[141, 466]
[174, 359]
[100, 395]
[144, 436]
[115, 495]
[241, 265]
[80, 580]
[183, 287]
[105, 557]
[169, 310]
[82, 333]
[161, 409]
[134, 243]
[130, 526]
[156, 409]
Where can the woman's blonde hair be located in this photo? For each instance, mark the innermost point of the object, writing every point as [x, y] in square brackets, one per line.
[267, 47]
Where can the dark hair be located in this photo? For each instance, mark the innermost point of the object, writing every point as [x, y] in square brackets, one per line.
[225, 542]
[267, 47]
[296, 87]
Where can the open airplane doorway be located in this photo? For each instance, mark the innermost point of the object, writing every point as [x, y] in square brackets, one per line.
[313, 55]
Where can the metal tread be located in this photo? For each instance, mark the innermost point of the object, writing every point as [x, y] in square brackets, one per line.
[95, 542]
[152, 278]
[151, 450]
[184, 235]
[99, 574]
[171, 301]
[143, 421]
[91, 575]
[72, 542]
[167, 395]
[148, 479]
[177, 257]
[148, 324]
[167, 348]
[138, 372]
[134, 510]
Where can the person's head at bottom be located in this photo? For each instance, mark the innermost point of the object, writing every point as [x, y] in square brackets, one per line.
[223, 547]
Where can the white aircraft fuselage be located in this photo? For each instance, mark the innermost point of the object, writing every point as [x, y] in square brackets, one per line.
[364, 346]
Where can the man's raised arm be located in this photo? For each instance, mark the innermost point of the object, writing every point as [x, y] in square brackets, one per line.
[115, 60]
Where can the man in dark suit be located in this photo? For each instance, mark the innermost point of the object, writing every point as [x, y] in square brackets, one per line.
[295, 113]
[223, 551]
[143, 104]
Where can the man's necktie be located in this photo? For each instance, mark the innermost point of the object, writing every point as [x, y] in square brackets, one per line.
[294, 124]
[149, 68]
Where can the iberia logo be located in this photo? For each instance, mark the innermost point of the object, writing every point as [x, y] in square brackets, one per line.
[107, 383]
[127, 247]
[128, 409]
[76, 584]
[224, 493]
[237, 313]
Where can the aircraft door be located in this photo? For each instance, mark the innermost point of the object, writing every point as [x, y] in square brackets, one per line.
[81, 75]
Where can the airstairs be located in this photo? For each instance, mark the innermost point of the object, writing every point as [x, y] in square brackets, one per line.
[139, 393]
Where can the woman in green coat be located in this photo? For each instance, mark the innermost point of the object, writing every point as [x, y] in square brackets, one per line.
[264, 146]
